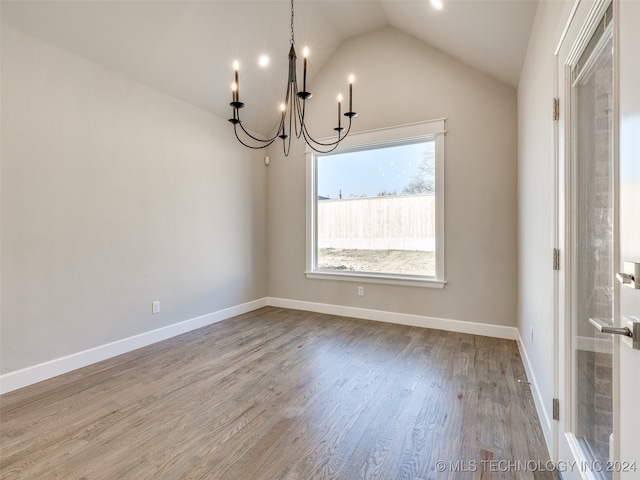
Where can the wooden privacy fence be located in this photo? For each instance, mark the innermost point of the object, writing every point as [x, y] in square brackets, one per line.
[399, 222]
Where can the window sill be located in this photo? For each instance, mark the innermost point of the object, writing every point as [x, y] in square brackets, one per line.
[406, 280]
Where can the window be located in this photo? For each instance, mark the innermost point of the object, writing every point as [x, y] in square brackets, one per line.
[375, 207]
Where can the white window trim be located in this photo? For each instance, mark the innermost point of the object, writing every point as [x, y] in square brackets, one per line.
[429, 130]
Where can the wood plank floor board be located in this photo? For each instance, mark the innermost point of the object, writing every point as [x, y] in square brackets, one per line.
[281, 394]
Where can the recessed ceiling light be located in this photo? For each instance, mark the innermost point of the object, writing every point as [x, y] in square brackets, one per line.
[437, 4]
[264, 61]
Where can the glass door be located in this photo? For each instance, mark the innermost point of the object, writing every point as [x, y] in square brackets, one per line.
[593, 248]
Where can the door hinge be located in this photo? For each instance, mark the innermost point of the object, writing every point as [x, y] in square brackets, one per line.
[556, 259]
[556, 409]
[556, 109]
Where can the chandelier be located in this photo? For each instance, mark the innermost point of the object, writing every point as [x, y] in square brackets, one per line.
[292, 118]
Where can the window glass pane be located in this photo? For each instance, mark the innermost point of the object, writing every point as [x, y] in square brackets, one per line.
[376, 210]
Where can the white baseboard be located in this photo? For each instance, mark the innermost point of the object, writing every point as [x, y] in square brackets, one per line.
[37, 373]
[484, 329]
[546, 421]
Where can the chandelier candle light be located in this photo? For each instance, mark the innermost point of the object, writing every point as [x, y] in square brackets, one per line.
[293, 110]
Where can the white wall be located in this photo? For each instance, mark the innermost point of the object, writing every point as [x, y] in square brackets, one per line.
[115, 195]
[401, 80]
[536, 202]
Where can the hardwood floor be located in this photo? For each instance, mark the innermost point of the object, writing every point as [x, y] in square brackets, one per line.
[284, 394]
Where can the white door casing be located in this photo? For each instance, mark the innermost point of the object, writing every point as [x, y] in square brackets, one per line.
[583, 19]
[627, 447]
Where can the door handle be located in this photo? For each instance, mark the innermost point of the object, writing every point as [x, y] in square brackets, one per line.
[630, 332]
[606, 328]
[631, 275]
[625, 277]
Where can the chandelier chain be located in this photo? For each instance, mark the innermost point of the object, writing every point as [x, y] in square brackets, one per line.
[293, 42]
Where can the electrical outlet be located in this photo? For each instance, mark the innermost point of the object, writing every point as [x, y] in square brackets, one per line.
[155, 307]
[361, 291]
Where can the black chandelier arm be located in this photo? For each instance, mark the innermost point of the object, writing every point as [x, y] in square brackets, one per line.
[286, 145]
[310, 139]
[265, 142]
[268, 141]
[300, 115]
[296, 123]
[261, 140]
[319, 150]
[293, 107]
[316, 146]
[298, 111]
[253, 147]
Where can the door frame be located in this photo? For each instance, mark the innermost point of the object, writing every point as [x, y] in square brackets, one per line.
[579, 28]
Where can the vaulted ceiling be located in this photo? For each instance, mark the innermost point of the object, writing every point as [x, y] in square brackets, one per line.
[186, 48]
